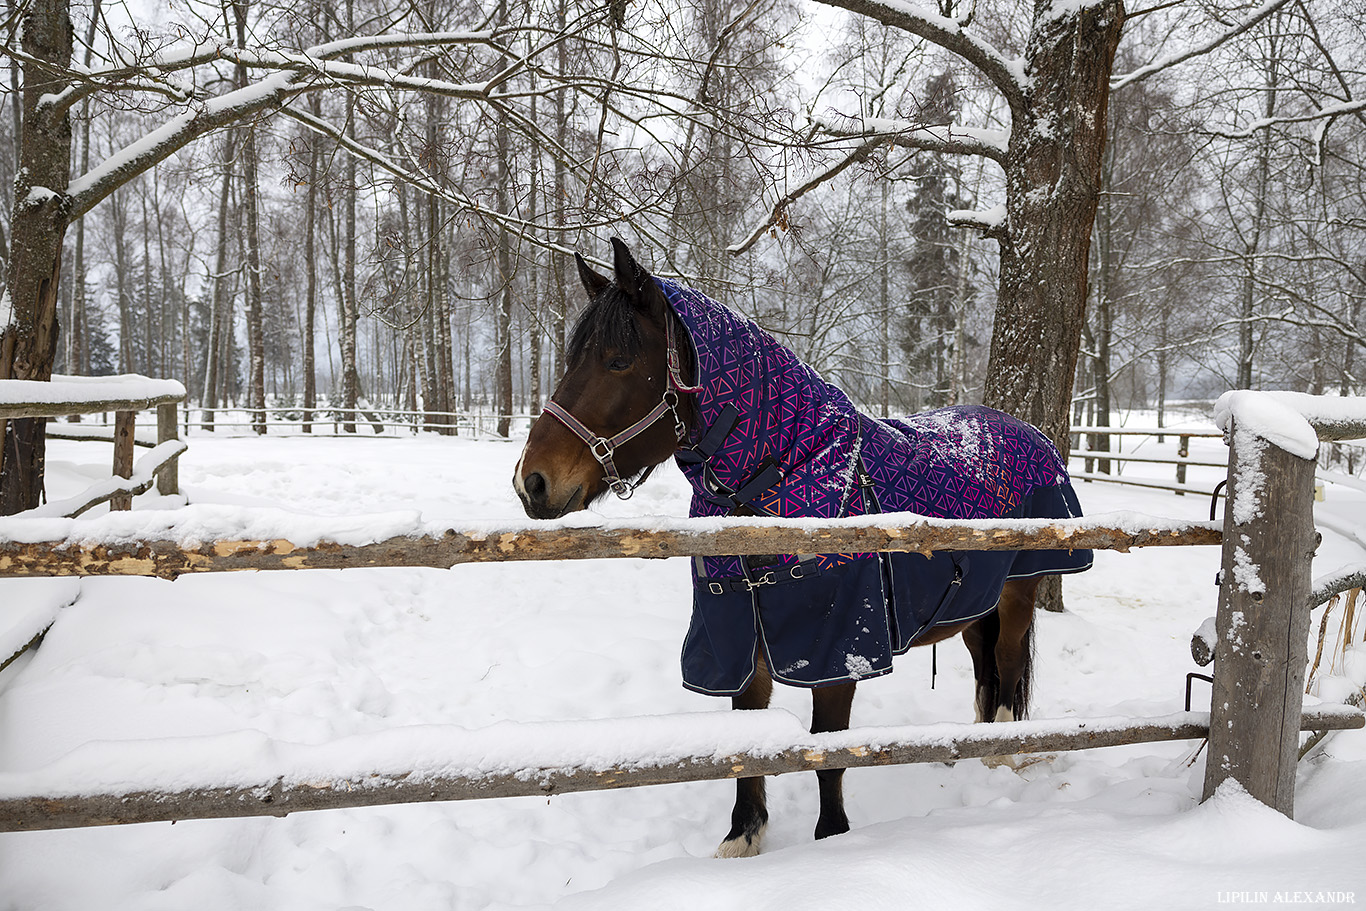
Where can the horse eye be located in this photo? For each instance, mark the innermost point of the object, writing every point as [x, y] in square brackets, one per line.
[619, 364]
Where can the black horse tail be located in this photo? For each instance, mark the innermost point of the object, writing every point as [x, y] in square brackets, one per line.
[1020, 704]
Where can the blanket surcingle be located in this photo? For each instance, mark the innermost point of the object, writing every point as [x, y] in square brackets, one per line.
[775, 439]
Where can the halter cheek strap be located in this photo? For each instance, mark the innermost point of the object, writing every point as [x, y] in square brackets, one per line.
[604, 448]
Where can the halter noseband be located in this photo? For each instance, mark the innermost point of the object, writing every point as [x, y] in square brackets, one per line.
[604, 448]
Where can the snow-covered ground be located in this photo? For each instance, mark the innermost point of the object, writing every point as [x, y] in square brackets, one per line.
[312, 657]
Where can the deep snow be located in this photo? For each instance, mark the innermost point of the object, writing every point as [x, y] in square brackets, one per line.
[312, 657]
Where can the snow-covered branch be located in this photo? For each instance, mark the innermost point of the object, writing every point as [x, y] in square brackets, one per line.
[1199, 50]
[946, 139]
[1324, 113]
[144, 476]
[950, 34]
[991, 222]
[778, 217]
[87, 190]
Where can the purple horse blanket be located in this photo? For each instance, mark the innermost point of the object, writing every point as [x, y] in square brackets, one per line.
[775, 439]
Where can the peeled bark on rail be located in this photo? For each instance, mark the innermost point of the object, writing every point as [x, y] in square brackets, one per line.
[168, 559]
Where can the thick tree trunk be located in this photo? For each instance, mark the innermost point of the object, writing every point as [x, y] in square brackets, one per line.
[28, 332]
[1053, 173]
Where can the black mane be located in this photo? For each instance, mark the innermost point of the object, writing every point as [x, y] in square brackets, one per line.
[608, 322]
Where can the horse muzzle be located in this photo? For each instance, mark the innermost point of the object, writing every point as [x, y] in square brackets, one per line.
[542, 498]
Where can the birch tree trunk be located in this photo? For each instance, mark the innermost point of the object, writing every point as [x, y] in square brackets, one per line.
[348, 304]
[503, 341]
[311, 277]
[1253, 239]
[221, 299]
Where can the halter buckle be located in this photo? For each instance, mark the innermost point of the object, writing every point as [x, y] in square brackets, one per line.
[601, 448]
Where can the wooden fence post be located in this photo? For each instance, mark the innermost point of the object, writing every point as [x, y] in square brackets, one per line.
[124, 424]
[1263, 621]
[1182, 451]
[168, 478]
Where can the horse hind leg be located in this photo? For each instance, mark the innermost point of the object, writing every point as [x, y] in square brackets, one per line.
[749, 818]
[1014, 651]
[830, 708]
[980, 639]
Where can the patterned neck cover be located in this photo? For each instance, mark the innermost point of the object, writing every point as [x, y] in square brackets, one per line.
[958, 463]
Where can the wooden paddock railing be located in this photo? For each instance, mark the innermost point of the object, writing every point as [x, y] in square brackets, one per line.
[1096, 462]
[124, 396]
[364, 422]
[1253, 729]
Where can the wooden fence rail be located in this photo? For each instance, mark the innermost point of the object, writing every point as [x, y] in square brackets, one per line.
[498, 775]
[167, 557]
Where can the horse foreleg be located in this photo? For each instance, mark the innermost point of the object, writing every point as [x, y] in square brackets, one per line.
[750, 816]
[830, 707]
[1013, 647]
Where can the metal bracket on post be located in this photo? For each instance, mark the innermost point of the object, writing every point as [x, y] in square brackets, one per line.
[1262, 621]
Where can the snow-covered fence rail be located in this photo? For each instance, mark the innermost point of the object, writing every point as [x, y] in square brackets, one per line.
[125, 396]
[204, 540]
[251, 775]
[1262, 624]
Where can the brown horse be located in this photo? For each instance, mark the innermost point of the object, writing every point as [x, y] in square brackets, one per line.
[624, 405]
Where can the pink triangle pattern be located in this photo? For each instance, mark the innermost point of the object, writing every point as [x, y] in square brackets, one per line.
[954, 463]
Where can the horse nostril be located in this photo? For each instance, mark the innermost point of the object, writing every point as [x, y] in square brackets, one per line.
[535, 487]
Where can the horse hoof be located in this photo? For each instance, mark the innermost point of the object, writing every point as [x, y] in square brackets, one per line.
[824, 830]
[741, 845]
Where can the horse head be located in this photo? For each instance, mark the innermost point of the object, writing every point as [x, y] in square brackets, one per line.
[618, 411]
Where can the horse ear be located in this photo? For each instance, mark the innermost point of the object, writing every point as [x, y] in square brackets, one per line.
[593, 282]
[631, 278]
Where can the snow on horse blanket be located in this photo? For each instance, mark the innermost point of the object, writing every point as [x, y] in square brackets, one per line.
[775, 439]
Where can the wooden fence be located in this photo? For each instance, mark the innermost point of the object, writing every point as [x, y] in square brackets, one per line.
[1253, 729]
[365, 422]
[1097, 457]
[123, 396]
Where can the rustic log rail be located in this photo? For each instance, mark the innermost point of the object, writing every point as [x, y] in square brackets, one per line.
[167, 557]
[496, 774]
